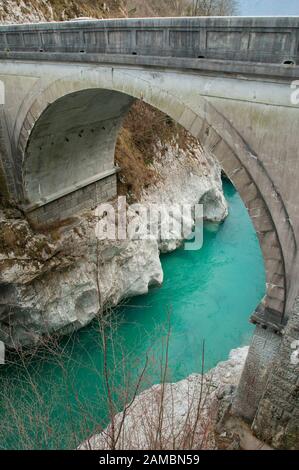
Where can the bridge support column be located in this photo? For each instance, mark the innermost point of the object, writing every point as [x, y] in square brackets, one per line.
[277, 418]
[262, 353]
[268, 393]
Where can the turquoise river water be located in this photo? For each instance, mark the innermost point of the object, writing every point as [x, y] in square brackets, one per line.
[58, 397]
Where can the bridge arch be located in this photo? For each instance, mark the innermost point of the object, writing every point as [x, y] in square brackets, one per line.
[215, 132]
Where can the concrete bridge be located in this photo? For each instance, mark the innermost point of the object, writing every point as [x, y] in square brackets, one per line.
[228, 81]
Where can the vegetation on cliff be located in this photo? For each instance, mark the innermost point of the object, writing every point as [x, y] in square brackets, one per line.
[60, 10]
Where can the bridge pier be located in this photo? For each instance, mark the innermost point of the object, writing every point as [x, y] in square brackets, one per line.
[264, 347]
[268, 393]
[277, 417]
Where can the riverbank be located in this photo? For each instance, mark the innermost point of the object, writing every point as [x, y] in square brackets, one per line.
[182, 415]
[192, 414]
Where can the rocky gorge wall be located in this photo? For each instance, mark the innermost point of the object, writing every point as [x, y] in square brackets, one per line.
[56, 280]
[59, 280]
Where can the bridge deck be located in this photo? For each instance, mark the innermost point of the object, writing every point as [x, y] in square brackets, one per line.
[262, 40]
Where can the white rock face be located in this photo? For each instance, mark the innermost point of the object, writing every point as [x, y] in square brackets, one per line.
[187, 178]
[189, 412]
[69, 296]
[58, 282]
[20, 12]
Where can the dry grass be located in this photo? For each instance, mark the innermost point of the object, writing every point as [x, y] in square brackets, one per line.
[142, 8]
[59, 10]
[67, 9]
[54, 227]
[137, 147]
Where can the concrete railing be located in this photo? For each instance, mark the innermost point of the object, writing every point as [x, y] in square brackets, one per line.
[251, 39]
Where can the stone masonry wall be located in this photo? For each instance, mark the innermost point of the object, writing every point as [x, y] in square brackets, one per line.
[83, 198]
[277, 419]
[262, 353]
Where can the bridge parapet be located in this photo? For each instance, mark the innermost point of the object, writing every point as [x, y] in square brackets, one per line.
[251, 39]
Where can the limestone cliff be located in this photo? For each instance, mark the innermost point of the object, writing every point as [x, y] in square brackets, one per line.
[59, 280]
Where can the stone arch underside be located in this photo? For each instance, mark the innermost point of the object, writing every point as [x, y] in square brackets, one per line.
[72, 144]
[212, 129]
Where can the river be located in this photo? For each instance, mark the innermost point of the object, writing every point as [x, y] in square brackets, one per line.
[58, 397]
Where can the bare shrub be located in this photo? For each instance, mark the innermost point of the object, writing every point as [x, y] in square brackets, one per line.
[153, 420]
[214, 7]
[140, 8]
[30, 414]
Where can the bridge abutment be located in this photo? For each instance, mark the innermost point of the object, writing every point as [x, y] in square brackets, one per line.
[78, 200]
[264, 346]
[277, 417]
[268, 393]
